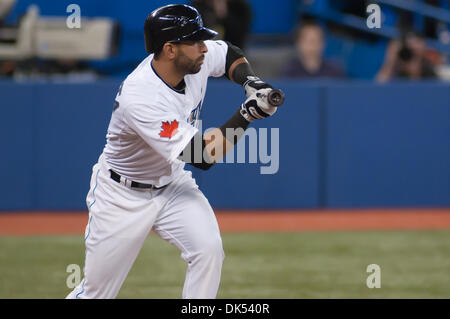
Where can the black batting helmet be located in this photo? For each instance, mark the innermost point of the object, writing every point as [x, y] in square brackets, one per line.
[173, 23]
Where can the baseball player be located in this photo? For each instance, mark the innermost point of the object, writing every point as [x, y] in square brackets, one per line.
[139, 183]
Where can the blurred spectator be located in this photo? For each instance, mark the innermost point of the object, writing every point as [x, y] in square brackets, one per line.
[309, 62]
[406, 59]
[231, 18]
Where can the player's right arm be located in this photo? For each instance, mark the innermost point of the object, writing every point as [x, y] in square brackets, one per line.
[214, 144]
[223, 58]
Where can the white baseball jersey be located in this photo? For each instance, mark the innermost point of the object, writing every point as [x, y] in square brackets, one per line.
[152, 122]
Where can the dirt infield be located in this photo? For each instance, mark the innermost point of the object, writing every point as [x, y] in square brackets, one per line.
[50, 223]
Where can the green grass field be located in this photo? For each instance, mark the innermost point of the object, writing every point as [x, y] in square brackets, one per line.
[414, 264]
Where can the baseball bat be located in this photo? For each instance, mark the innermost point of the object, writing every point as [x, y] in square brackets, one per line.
[275, 97]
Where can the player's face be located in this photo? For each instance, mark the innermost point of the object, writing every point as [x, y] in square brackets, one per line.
[190, 56]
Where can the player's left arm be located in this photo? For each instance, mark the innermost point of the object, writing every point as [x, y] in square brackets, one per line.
[224, 58]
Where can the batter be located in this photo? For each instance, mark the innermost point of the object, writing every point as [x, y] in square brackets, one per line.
[139, 183]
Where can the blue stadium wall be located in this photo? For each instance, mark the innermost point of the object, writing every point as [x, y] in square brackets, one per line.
[347, 144]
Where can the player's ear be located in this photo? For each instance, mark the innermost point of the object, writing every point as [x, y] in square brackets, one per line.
[170, 50]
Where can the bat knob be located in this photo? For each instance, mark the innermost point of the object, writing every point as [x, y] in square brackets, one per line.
[275, 97]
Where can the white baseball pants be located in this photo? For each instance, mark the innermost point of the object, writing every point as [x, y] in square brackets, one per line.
[120, 219]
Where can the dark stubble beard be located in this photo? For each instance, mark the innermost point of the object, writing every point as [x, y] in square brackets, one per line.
[186, 65]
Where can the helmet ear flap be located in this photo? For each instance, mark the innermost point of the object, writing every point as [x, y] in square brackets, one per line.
[147, 36]
[147, 43]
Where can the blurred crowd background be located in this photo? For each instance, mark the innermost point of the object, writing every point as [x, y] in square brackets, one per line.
[300, 39]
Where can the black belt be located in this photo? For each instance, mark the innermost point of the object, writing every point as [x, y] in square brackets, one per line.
[118, 178]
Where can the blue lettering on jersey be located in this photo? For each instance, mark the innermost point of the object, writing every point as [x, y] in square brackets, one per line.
[195, 115]
[116, 103]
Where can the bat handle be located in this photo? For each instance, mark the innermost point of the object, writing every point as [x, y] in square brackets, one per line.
[275, 97]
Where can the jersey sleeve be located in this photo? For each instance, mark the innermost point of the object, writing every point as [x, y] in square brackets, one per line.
[216, 57]
[165, 132]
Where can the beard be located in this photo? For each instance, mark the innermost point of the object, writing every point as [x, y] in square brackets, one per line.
[187, 65]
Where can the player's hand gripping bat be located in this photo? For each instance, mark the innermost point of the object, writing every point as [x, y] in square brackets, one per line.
[274, 98]
[261, 104]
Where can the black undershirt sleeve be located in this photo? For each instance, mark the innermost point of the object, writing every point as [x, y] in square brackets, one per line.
[190, 150]
[236, 125]
[241, 71]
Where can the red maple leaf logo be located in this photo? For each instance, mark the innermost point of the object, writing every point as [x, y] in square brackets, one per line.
[169, 129]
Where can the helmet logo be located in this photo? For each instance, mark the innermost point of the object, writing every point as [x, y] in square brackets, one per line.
[182, 21]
